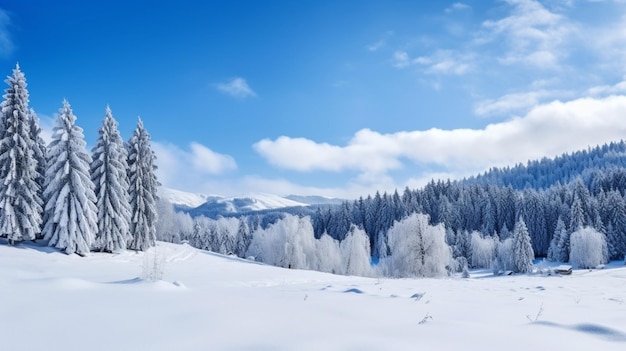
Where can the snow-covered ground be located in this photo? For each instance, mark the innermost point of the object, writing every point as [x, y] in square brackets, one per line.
[51, 301]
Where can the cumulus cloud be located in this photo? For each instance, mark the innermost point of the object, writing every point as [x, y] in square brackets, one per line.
[236, 87]
[180, 168]
[547, 130]
[6, 44]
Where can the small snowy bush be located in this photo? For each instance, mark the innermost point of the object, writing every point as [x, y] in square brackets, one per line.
[483, 250]
[588, 248]
[504, 260]
[153, 266]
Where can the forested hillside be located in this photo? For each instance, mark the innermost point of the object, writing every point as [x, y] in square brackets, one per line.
[585, 188]
[490, 220]
[542, 174]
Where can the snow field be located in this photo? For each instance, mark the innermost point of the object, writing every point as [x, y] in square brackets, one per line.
[208, 301]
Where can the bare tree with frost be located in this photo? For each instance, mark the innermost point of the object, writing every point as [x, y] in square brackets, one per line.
[70, 212]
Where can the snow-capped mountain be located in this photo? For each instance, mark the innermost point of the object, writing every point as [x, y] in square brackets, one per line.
[254, 202]
[183, 198]
[315, 200]
[213, 205]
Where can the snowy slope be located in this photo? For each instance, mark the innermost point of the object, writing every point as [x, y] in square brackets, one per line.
[244, 204]
[211, 302]
[257, 202]
[182, 198]
[315, 200]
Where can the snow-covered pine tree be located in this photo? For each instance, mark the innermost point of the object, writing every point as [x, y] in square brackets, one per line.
[20, 194]
[522, 248]
[143, 190]
[70, 213]
[555, 252]
[108, 173]
[243, 237]
[40, 152]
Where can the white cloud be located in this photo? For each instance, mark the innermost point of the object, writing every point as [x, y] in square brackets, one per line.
[607, 42]
[535, 35]
[458, 6]
[375, 46]
[442, 62]
[236, 87]
[401, 59]
[6, 44]
[547, 130]
[185, 169]
[604, 90]
[367, 151]
[515, 102]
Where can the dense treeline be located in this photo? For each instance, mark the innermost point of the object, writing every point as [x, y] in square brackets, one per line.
[595, 200]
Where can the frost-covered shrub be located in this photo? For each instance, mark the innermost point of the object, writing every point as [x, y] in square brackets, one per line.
[328, 255]
[417, 249]
[153, 266]
[504, 260]
[588, 248]
[483, 250]
[287, 243]
[355, 251]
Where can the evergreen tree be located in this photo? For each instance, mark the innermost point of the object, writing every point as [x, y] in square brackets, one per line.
[522, 248]
[243, 238]
[20, 194]
[40, 153]
[143, 190]
[577, 215]
[108, 173]
[555, 251]
[535, 220]
[70, 214]
[615, 211]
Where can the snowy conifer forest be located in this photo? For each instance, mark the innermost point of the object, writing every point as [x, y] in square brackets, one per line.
[75, 200]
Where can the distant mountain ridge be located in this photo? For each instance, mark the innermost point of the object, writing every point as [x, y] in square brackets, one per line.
[215, 205]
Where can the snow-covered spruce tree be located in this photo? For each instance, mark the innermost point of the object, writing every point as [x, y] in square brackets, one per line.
[555, 253]
[20, 193]
[522, 248]
[40, 154]
[142, 190]
[108, 173]
[70, 213]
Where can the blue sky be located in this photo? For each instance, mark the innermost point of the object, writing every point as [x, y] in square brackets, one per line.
[336, 98]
